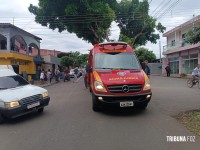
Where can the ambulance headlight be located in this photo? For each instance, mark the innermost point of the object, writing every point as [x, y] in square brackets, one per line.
[99, 86]
[147, 85]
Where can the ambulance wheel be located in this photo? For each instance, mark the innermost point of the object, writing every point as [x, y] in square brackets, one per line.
[95, 104]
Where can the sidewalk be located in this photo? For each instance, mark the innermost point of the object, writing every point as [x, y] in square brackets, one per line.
[37, 83]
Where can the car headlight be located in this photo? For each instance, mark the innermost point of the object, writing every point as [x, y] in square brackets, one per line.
[11, 104]
[99, 86]
[45, 94]
[147, 85]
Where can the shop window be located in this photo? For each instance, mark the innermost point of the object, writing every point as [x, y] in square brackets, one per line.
[189, 63]
[174, 65]
[194, 56]
[185, 57]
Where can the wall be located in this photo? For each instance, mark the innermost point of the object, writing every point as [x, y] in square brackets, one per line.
[44, 52]
[156, 68]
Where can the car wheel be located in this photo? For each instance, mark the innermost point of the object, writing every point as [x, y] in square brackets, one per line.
[1, 119]
[95, 104]
[41, 110]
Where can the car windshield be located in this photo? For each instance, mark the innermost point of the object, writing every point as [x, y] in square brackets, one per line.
[116, 61]
[12, 82]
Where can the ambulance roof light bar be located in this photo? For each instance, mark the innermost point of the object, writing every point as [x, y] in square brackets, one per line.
[113, 44]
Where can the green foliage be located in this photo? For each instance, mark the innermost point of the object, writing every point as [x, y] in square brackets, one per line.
[60, 55]
[67, 61]
[90, 20]
[126, 39]
[144, 54]
[193, 36]
[74, 58]
[137, 24]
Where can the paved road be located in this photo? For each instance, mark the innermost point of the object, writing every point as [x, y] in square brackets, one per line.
[70, 124]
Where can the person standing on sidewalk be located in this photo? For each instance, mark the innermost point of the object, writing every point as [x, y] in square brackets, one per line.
[57, 74]
[49, 76]
[147, 69]
[168, 70]
[86, 75]
[42, 77]
[67, 76]
[75, 74]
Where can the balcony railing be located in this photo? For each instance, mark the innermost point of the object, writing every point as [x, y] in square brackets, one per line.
[176, 45]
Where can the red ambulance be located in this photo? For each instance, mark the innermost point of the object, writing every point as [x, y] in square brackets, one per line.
[116, 78]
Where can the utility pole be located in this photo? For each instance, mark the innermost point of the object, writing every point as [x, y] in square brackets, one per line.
[160, 50]
[193, 21]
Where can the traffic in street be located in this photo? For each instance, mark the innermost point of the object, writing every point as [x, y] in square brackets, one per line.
[70, 123]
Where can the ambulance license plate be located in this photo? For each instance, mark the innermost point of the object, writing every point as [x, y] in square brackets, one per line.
[33, 105]
[126, 104]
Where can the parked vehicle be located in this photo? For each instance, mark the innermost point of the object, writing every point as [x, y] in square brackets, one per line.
[6, 67]
[71, 73]
[116, 77]
[18, 97]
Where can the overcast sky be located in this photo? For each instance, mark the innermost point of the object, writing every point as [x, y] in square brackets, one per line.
[18, 9]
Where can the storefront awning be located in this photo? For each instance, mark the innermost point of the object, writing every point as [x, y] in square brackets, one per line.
[38, 60]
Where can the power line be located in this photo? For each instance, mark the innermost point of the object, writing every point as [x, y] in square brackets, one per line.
[162, 8]
[169, 8]
[157, 7]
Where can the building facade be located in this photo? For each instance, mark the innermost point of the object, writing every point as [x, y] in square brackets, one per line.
[51, 61]
[45, 52]
[15, 47]
[180, 55]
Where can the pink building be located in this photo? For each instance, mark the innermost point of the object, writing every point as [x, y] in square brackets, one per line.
[44, 52]
[180, 55]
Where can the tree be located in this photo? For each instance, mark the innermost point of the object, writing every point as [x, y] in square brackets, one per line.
[136, 23]
[67, 61]
[193, 36]
[74, 59]
[88, 19]
[144, 54]
[60, 55]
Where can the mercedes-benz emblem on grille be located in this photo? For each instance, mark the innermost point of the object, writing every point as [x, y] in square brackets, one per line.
[125, 89]
[121, 73]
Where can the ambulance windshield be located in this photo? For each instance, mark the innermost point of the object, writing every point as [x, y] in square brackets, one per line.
[122, 61]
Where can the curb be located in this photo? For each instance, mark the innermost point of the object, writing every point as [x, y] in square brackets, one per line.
[46, 85]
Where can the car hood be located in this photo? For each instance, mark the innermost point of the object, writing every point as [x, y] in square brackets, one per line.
[18, 93]
[116, 77]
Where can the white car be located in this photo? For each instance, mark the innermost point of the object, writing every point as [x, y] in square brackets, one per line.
[71, 73]
[18, 97]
